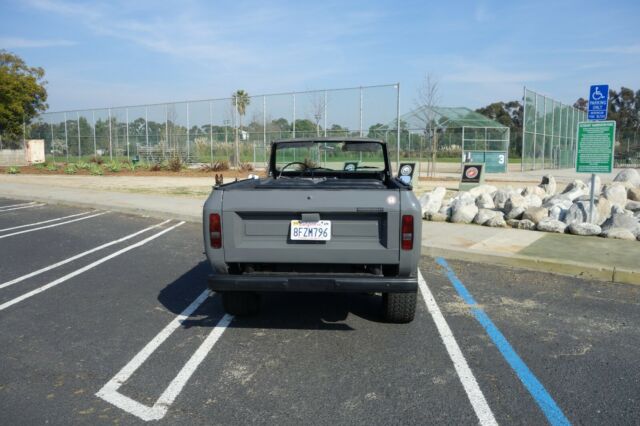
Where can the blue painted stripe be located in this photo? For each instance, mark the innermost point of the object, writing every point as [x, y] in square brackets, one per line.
[554, 414]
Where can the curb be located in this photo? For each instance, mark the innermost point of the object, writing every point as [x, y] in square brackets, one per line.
[570, 268]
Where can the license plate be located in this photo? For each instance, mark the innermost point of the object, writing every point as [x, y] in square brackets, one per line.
[311, 231]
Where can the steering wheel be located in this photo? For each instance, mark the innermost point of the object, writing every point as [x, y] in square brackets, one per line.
[291, 164]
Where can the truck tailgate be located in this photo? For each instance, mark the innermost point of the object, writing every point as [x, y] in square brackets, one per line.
[362, 231]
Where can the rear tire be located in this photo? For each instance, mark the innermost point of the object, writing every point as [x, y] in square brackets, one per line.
[240, 303]
[399, 307]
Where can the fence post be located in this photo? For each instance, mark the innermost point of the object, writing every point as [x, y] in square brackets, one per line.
[264, 129]
[66, 138]
[95, 146]
[294, 116]
[524, 126]
[361, 130]
[110, 142]
[78, 123]
[398, 127]
[127, 130]
[187, 132]
[53, 151]
[325, 120]
[211, 132]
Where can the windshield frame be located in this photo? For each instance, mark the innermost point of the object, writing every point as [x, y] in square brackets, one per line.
[274, 172]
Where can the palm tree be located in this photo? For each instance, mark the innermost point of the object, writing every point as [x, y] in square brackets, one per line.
[240, 100]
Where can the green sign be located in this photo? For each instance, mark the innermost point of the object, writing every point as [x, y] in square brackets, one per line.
[595, 146]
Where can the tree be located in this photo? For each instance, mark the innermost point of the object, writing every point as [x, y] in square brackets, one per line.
[508, 114]
[22, 94]
[240, 100]
[428, 98]
[318, 107]
[581, 104]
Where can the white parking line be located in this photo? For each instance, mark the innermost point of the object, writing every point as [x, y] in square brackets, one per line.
[23, 207]
[109, 392]
[85, 268]
[51, 226]
[16, 205]
[43, 222]
[78, 256]
[468, 380]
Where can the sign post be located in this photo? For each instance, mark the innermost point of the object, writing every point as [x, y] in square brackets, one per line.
[594, 154]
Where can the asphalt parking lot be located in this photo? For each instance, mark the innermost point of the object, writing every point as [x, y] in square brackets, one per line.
[105, 318]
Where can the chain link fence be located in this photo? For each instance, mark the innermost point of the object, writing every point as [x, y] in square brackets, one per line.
[206, 131]
[549, 134]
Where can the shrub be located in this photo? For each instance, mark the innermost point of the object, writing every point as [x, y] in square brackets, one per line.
[71, 169]
[175, 164]
[114, 167]
[310, 163]
[13, 170]
[96, 170]
[246, 167]
[41, 166]
[220, 166]
[96, 159]
[130, 166]
[83, 165]
[52, 168]
[155, 167]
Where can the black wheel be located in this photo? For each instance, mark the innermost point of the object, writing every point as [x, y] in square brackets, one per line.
[399, 307]
[240, 303]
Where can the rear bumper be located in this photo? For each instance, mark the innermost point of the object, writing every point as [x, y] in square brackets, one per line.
[313, 283]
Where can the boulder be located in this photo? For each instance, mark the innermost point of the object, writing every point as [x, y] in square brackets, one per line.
[432, 201]
[482, 189]
[484, 215]
[445, 210]
[535, 214]
[557, 200]
[633, 206]
[463, 213]
[515, 213]
[584, 229]
[548, 184]
[619, 233]
[628, 175]
[463, 198]
[514, 201]
[633, 194]
[500, 198]
[579, 211]
[551, 225]
[437, 217]
[558, 213]
[485, 201]
[497, 221]
[616, 193]
[575, 189]
[533, 200]
[521, 224]
[534, 190]
[623, 219]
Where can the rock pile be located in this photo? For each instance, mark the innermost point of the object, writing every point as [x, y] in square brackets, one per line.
[616, 209]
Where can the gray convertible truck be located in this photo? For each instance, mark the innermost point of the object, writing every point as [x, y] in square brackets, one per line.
[329, 217]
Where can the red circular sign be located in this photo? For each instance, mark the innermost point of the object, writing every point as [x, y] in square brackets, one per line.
[471, 172]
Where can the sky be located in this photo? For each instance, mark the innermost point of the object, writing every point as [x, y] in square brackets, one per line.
[117, 53]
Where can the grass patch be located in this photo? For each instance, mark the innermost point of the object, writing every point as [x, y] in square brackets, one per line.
[13, 170]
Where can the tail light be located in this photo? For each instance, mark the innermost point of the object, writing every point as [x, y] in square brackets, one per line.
[215, 230]
[407, 232]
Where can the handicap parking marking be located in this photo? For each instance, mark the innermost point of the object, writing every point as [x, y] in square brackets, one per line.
[79, 255]
[44, 221]
[109, 392]
[28, 206]
[543, 399]
[468, 380]
[25, 231]
[85, 268]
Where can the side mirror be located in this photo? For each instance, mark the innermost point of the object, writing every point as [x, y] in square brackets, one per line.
[405, 173]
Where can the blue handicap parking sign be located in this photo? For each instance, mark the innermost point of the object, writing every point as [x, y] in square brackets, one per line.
[598, 102]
